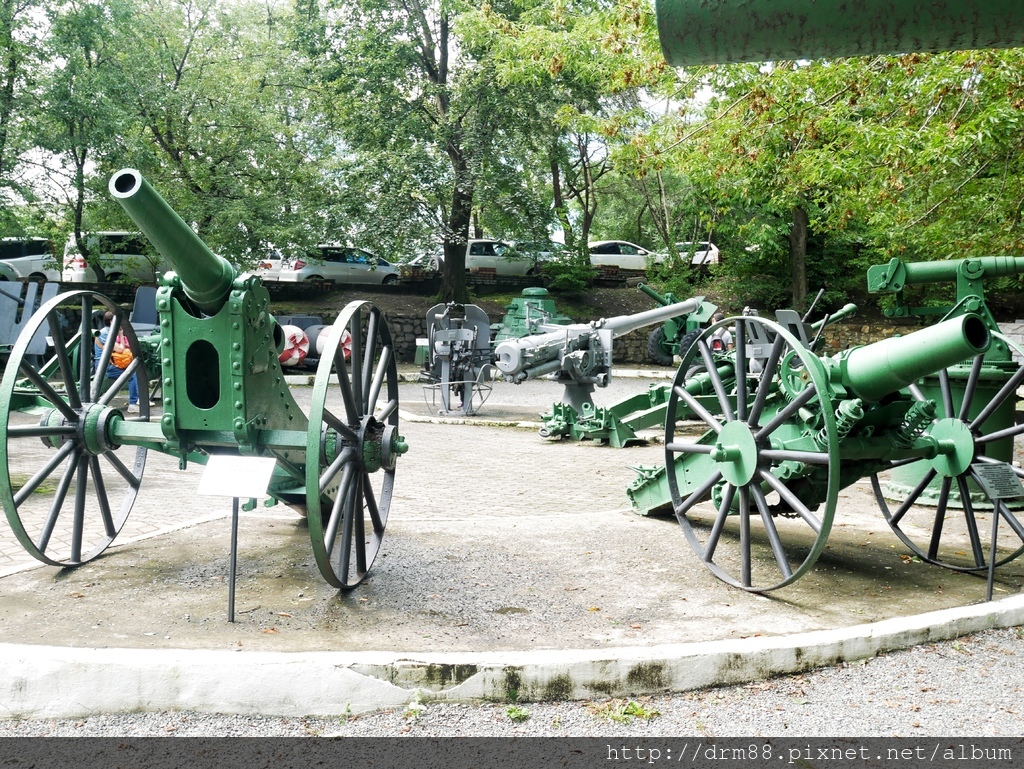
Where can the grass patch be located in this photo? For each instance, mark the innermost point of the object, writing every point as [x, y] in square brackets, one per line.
[622, 711]
[18, 480]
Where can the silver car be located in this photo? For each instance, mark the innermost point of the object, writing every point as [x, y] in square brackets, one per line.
[338, 264]
[28, 259]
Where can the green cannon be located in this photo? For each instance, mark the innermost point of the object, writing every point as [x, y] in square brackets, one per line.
[720, 31]
[976, 383]
[756, 492]
[675, 334]
[73, 467]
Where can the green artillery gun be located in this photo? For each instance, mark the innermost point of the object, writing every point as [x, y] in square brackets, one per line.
[73, 468]
[675, 335]
[975, 383]
[787, 438]
[525, 314]
[720, 31]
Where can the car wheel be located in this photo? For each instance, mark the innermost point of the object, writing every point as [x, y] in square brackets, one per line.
[390, 280]
[113, 277]
[37, 277]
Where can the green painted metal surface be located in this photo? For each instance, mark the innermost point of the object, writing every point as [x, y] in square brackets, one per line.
[720, 31]
[967, 276]
[222, 392]
[206, 277]
[526, 313]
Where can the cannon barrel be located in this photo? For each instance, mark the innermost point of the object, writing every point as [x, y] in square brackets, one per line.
[206, 278]
[653, 294]
[896, 274]
[514, 356]
[876, 370]
[720, 31]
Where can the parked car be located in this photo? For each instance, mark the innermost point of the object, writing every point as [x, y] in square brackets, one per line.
[622, 254]
[28, 258]
[487, 254]
[701, 253]
[338, 264]
[113, 257]
[541, 250]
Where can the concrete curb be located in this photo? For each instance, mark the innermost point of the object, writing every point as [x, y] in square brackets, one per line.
[61, 682]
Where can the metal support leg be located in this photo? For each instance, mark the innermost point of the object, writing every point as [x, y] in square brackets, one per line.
[233, 558]
[992, 553]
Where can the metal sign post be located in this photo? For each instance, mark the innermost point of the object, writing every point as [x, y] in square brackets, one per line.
[236, 477]
[1000, 482]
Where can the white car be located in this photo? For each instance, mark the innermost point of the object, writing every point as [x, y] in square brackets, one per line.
[701, 253]
[485, 254]
[113, 257]
[28, 259]
[621, 254]
[338, 264]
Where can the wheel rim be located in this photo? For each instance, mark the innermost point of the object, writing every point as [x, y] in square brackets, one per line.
[351, 458]
[960, 539]
[64, 474]
[734, 464]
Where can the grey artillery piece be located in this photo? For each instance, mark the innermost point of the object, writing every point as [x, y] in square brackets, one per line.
[578, 355]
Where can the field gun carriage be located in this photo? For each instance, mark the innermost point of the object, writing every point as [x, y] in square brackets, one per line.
[929, 417]
[223, 392]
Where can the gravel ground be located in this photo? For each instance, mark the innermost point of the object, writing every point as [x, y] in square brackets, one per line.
[972, 687]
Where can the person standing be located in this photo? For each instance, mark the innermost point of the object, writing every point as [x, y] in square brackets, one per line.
[120, 359]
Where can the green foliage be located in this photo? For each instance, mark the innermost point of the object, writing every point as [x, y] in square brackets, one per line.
[571, 273]
[517, 713]
[394, 127]
[622, 711]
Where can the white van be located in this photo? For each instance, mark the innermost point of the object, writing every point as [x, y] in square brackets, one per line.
[113, 256]
[487, 254]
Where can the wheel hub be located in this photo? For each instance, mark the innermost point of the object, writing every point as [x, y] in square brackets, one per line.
[382, 445]
[956, 447]
[735, 451]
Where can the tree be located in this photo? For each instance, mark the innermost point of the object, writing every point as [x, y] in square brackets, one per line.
[222, 119]
[406, 87]
[77, 116]
[19, 39]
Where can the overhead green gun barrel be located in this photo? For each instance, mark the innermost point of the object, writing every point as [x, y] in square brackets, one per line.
[718, 31]
[206, 278]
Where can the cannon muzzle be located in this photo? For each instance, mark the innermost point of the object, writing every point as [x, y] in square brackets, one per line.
[720, 31]
[876, 370]
[206, 278]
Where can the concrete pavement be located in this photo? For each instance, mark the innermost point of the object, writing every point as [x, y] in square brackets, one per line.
[510, 565]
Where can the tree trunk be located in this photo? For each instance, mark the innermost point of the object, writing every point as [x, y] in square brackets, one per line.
[453, 274]
[798, 258]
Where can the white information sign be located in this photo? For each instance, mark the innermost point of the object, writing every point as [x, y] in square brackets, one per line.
[999, 481]
[234, 476]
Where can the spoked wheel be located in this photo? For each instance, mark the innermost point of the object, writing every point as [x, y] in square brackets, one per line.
[351, 456]
[69, 487]
[767, 450]
[946, 517]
